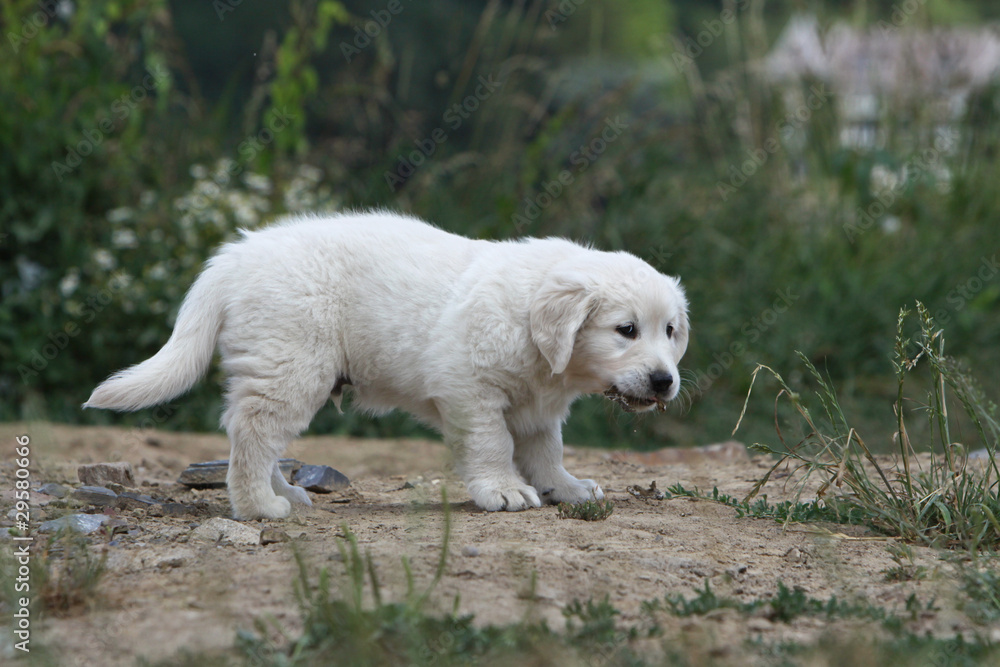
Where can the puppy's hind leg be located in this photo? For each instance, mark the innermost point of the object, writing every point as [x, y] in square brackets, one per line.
[280, 486]
[261, 422]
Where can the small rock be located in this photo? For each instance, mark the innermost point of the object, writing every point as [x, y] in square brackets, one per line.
[132, 500]
[155, 511]
[54, 490]
[273, 535]
[102, 474]
[212, 474]
[218, 529]
[470, 551]
[81, 523]
[176, 509]
[795, 555]
[320, 479]
[95, 495]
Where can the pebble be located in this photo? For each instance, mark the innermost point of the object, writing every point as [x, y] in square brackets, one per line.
[102, 474]
[81, 523]
[320, 479]
[222, 530]
[470, 551]
[273, 535]
[95, 495]
[212, 474]
[54, 490]
[131, 500]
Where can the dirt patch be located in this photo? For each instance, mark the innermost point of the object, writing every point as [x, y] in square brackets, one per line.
[168, 591]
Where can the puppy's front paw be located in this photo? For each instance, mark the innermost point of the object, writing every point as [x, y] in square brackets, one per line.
[276, 507]
[574, 491]
[512, 496]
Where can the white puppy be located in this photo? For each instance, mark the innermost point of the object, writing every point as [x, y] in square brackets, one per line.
[489, 342]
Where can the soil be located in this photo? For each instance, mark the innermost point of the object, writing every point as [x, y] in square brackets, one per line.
[168, 592]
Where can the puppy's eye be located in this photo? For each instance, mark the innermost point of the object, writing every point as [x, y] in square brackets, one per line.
[670, 331]
[628, 330]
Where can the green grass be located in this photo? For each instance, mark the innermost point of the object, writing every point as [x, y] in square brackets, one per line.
[938, 499]
[65, 575]
[591, 510]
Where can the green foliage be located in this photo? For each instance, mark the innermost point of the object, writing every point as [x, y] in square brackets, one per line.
[64, 575]
[789, 260]
[786, 605]
[948, 500]
[982, 586]
[591, 510]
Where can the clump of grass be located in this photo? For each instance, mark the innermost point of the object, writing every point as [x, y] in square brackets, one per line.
[591, 510]
[905, 568]
[982, 586]
[786, 511]
[942, 501]
[786, 605]
[359, 626]
[64, 576]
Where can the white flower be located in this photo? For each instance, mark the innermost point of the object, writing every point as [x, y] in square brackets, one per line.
[124, 238]
[147, 198]
[158, 271]
[258, 182]
[198, 172]
[104, 259]
[119, 215]
[310, 173]
[69, 283]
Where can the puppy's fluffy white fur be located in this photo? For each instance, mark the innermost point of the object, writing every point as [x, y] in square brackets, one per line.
[490, 342]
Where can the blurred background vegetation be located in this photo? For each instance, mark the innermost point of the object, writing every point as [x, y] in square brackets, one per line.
[137, 135]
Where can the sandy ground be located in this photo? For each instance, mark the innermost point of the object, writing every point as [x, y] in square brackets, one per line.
[167, 591]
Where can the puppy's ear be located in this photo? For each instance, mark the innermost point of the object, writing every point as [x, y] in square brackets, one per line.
[557, 313]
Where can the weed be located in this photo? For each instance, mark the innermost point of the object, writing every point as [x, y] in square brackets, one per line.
[64, 575]
[983, 588]
[592, 510]
[945, 501]
[352, 629]
[905, 568]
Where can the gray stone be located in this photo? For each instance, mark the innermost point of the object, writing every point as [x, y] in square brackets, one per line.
[320, 479]
[132, 500]
[273, 535]
[81, 523]
[102, 474]
[470, 551]
[176, 509]
[212, 474]
[95, 495]
[54, 490]
[221, 530]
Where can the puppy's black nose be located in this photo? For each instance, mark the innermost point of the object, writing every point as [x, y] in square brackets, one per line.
[660, 381]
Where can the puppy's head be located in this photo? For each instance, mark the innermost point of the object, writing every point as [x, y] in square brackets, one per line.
[609, 322]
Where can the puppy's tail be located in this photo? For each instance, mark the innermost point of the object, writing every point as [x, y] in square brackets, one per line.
[180, 363]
